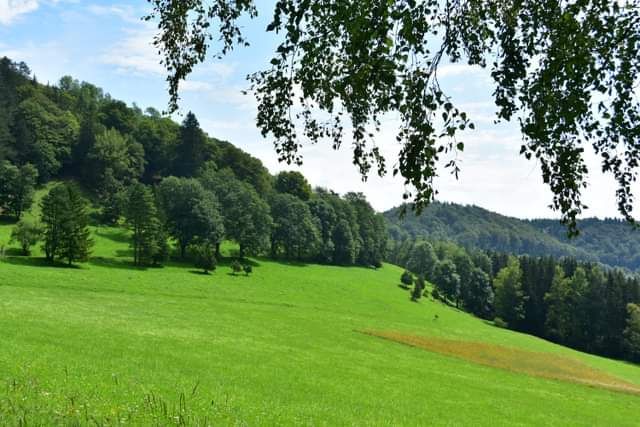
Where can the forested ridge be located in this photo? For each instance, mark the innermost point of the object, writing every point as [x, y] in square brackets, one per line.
[611, 242]
[178, 190]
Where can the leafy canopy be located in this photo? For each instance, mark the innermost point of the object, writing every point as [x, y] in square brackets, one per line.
[566, 70]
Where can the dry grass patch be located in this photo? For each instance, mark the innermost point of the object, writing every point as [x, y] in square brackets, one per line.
[544, 365]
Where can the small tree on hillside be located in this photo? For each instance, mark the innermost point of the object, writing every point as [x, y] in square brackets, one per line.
[406, 279]
[418, 287]
[17, 187]
[65, 220]
[204, 256]
[247, 269]
[142, 218]
[75, 242]
[236, 267]
[27, 232]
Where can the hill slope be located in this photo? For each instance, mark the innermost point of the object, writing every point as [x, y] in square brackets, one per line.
[108, 343]
[610, 242]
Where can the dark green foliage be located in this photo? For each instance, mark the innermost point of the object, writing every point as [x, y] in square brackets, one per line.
[190, 211]
[27, 232]
[247, 269]
[65, 218]
[191, 150]
[632, 332]
[389, 63]
[236, 267]
[295, 234]
[17, 186]
[477, 296]
[418, 288]
[142, 218]
[423, 259]
[247, 219]
[293, 183]
[447, 280]
[204, 254]
[406, 278]
[509, 298]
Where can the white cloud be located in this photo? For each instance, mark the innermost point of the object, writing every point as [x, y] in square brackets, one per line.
[10, 10]
[124, 12]
[135, 54]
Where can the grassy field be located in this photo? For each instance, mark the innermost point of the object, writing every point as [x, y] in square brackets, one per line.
[107, 343]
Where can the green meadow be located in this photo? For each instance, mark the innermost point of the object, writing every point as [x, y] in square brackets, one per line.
[292, 344]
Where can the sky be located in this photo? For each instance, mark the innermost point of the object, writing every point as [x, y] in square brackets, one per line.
[107, 44]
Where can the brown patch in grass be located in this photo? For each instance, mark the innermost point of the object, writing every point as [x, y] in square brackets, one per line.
[544, 365]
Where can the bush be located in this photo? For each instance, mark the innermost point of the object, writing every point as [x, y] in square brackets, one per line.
[500, 323]
[205, 256]
[27, 232]
[247, 269]
[435, 294]
[406, 278]
[418, 287]
[236, 267]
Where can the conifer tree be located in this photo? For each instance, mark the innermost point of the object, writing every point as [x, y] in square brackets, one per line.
[142, 219]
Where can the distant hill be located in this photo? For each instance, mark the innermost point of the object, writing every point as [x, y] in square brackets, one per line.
[612, 242]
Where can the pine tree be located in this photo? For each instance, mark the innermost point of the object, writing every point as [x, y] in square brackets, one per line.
[142, 219]
[75, 237]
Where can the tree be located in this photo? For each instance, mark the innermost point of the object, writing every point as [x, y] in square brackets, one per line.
[190, 211]
[344, 244]
[17, 187]
[117, 155]
[191, 149]
[64, 215]
[422, 259]
[294, 232]
[27, 232]
[566, 71]
[418, 288]
[294, 183]
[326, 220]
[246, 218]
[447, 280]
[142, 218]
[478, 296]
[236, 267]
[632, 332]
[44, 134]
[509, 298]
[406, 278]
[247, 269]
[204, 256]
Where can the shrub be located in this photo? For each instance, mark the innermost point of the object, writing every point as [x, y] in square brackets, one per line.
[435, 294]
[205, 256]
[247, 269]
[406, 278]
[27, 232]
[236, 267]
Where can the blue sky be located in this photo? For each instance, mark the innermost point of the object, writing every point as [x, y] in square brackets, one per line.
[107, 44]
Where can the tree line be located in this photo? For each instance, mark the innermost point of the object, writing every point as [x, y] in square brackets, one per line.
[167, 182]
[577, 304]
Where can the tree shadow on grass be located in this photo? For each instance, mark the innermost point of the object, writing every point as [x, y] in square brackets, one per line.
[14, 252]
[228, 261]
[37, 262]
[116, 263]
[7, 220]
[201, 273]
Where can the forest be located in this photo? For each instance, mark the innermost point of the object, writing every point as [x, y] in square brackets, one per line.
[577, 304]
[608, 241]
[165, 181]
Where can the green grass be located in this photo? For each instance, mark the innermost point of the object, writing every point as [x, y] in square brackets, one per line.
[108, 343]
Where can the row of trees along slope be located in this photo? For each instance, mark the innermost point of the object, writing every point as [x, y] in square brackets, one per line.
[169, 180]
[577, 304]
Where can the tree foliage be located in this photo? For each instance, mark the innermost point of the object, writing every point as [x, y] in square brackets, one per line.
[566, 71]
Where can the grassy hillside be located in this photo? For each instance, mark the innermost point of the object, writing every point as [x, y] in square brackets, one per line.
[291, 344]
[611, 242]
